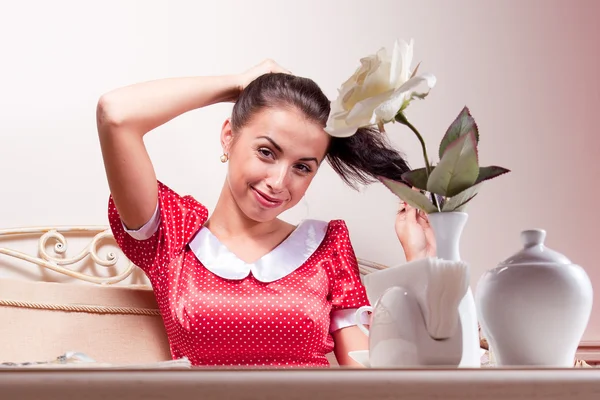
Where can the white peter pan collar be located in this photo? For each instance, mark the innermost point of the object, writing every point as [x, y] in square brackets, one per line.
[280, 262]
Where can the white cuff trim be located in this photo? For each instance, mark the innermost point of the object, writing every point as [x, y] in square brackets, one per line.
[148, 229]
[345, 318]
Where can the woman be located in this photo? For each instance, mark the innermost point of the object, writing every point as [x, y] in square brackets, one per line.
[244, 287]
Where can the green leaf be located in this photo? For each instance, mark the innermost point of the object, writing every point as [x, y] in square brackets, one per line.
[458, 169]
[416, 178]
[412, 197]
[462, 206]
[491, 172]
[458, 201]
[462, 125]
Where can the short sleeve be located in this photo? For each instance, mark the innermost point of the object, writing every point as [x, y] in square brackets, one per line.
[348, 291]
[178, 217]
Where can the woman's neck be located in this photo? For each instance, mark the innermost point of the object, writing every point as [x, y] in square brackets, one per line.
[229, 220]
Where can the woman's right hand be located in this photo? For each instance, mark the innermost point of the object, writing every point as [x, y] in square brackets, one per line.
[415, 233]
[265, 67]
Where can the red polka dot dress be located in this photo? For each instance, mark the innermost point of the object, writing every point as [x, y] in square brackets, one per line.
[220, 311]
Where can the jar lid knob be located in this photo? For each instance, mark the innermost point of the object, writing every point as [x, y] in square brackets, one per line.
[533, 237]
[534, 251]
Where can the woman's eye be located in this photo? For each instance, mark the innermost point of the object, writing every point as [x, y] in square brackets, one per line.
[304, 168]
[265, 152]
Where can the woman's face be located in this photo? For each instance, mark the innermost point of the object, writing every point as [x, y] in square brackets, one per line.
[272, 160]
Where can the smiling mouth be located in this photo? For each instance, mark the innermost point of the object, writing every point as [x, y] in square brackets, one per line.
[267, 199]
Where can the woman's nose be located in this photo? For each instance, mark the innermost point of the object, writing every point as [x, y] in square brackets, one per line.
[277, 178]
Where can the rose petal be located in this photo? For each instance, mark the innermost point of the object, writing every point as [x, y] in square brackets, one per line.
[336, 108]
[337, 126]
[346, 131]
[407, 61]
[387, 110]
[378, 79]
[400, 63]
[429, 79]
[363, 112]
[367, 83]
[395, 64]
[413, 83]
[368, 64]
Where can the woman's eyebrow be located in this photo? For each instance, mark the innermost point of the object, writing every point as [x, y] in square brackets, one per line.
[278, 147]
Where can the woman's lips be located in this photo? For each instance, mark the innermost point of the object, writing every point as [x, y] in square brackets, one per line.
[266, 201]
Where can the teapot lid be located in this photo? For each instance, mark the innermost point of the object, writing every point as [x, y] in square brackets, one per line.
[535, 252]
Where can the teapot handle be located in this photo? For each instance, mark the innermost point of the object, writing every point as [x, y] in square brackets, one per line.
[358, 319]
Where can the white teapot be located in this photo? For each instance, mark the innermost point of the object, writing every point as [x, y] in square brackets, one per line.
[416, 319]
[399, 338]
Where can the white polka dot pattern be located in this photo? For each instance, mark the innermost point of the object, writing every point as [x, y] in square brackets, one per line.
[219, 322]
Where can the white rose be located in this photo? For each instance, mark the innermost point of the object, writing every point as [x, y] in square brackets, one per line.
[377, 90]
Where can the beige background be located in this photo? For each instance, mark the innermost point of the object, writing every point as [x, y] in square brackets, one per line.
[527, 69]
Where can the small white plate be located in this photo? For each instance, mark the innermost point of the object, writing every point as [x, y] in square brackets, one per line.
[361, 357]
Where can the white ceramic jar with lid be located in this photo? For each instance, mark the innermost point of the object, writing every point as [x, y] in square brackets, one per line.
[535, 306]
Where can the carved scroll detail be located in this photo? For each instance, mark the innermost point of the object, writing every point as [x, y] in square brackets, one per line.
[60, 264]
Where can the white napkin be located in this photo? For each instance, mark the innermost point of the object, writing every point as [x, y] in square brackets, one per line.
[447, 284]
[439, 286]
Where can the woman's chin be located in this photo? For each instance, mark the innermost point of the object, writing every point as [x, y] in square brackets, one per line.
[259, 214]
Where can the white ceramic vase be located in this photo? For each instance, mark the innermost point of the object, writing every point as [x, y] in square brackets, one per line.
[535, 306]
[448, 228]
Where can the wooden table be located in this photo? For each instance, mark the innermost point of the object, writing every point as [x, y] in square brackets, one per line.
[316, 384]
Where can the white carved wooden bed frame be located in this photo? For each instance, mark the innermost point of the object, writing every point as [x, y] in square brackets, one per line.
[60, 265]
[54, 263]
[121, 320]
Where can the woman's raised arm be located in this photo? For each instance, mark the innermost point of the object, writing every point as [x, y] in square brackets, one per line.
[126, 114]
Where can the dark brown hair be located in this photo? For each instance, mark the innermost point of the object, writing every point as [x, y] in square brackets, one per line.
[358, 159]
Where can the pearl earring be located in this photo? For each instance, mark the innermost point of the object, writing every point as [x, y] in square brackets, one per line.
[224, 158]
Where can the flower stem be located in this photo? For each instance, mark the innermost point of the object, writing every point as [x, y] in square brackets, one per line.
[400, 117]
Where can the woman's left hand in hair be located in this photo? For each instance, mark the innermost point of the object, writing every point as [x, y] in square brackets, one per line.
[265, 67]
[415, 233]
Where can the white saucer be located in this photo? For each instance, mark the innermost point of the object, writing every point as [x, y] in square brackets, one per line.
[361, 357]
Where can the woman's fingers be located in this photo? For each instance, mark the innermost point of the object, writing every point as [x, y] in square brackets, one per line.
[423, 218]
[265, 67]
[408, 213]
